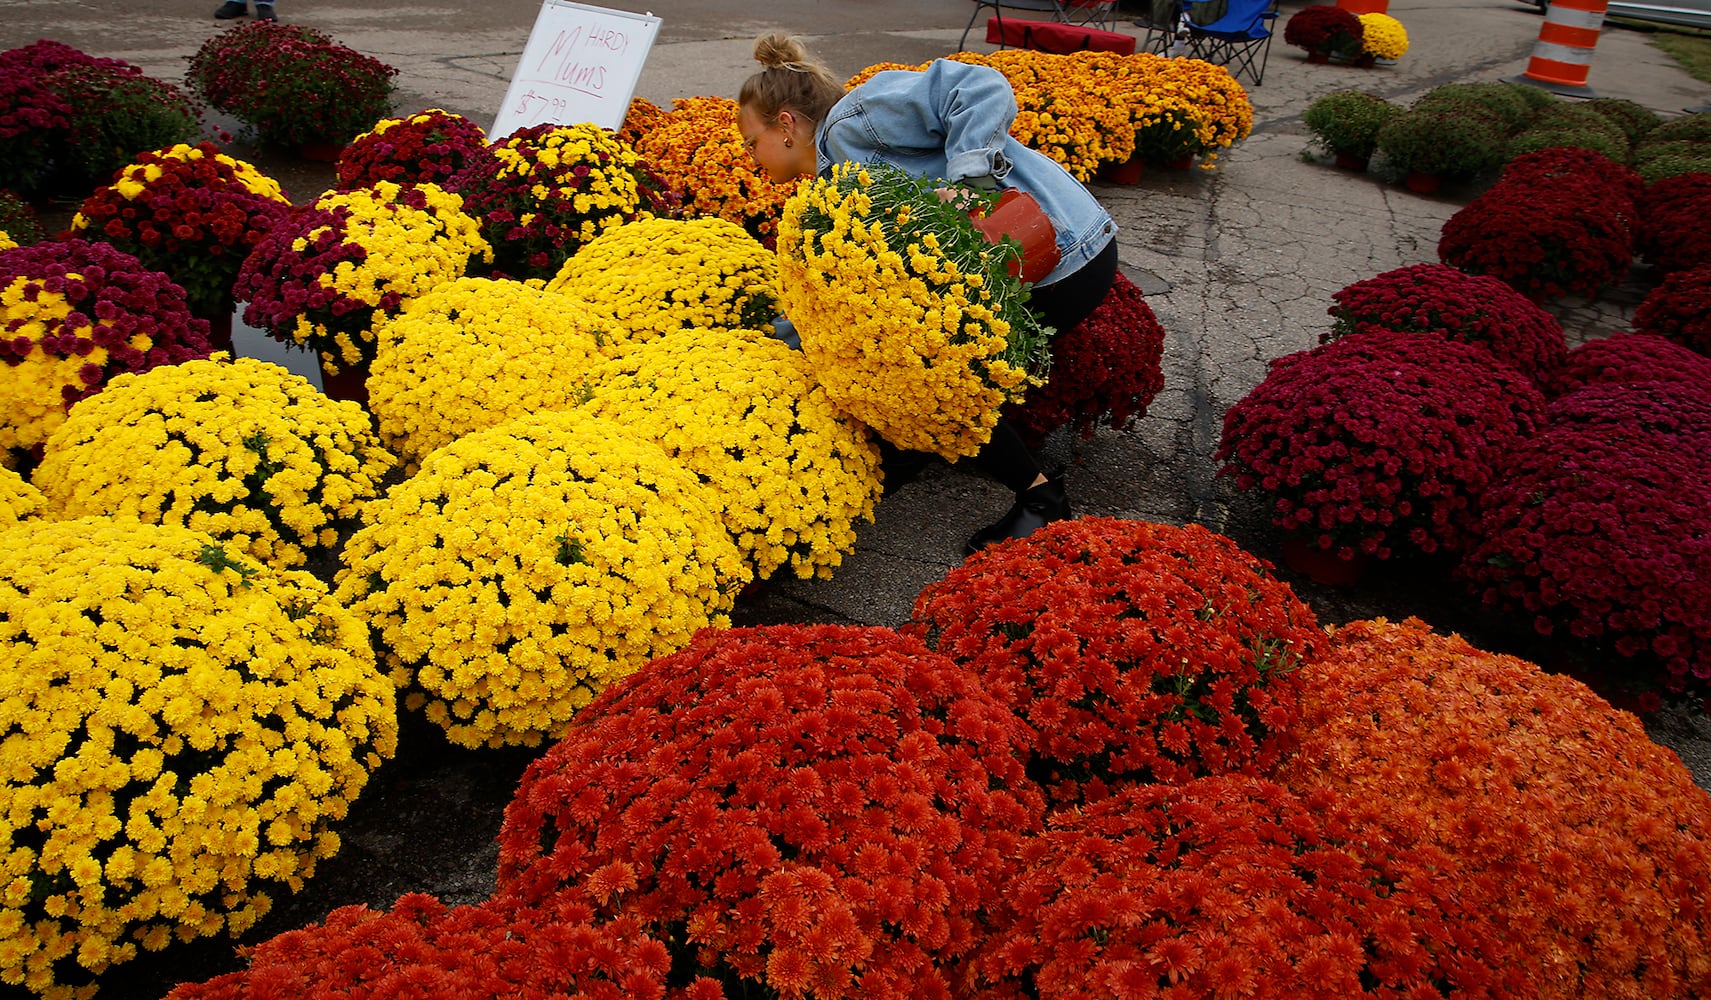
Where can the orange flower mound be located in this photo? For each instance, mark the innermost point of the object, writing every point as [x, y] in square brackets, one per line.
[1584, 842]
[1136, 651]
[1231, 886]
[697, 150]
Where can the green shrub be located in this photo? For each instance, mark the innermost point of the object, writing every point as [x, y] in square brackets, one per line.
[1510, 102]
[1696, 126]
[1673, 165]
[1347, 121]
[1614, 146]
[1632, 117]
[1449, 142]
[1653, 149]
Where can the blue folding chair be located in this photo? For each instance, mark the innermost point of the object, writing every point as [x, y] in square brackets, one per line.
[1240, 41]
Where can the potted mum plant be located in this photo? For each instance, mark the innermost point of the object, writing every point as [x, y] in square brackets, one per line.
[1378, 443]
[1383, 39]
[193, 213]
[429, 147]
[1324, 30]
[293, 85]
[1679, 309]
[1428, 147]
[1345, 123]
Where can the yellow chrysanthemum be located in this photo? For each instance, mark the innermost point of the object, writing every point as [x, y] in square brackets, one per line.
[950, 343]
[18, 499]
[186, 726]
[474, 353]
[650, 277]
[1383, 36]
[322, 279]
[787, 472]
[529, 565]
[244, 450]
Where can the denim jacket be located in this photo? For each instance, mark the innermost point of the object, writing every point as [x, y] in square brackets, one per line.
[951, 121]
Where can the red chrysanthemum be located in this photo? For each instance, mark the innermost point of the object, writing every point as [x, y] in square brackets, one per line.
[1379, 439]
[1136, 651]
[1105, 370]
[1472, 308]
[811, 810]
[1627, 358]
[423, 950]
[1679, 308]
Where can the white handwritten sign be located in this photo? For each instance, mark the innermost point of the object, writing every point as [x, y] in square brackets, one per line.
[580, 65]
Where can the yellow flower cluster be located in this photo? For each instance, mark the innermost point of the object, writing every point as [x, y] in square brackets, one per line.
[1088, 109]
[32, 393]
[529, 565]
[786, 471]
[409, 250]
[184, 726]
[244, 451]
[18, 499]
[910, 322]
[579, 181]
[698, 150]
[1383, 36]
[134, 181]
[652, 276]
[6, 241]
[474, 353]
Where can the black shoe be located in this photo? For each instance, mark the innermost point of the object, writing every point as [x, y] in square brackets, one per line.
[1034, 508]
[264, 12]
[231, 9]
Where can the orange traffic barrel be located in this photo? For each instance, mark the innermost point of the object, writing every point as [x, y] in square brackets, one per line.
[1563, 54]
[1365, 6]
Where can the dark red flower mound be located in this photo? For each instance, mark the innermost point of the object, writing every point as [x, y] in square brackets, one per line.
[1603, 531]
[1234, 886]
[1557, 166]
[423, 950]
[1136, 651]
[796, 810]
[1680, 411]
[1675, 222]
[36, 121]
[1548, 240]
[1324, 28]
[1679, 308]
[1472, 308]
[1105, 370]
[196, 221]
[116, 304]
[1379, 440]
[1628, 358]
[429, 147]
[1587, 845]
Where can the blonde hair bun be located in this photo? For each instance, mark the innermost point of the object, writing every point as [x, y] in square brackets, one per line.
[777, 50]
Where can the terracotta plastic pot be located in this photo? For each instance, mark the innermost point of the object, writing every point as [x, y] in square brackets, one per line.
[1019, 216]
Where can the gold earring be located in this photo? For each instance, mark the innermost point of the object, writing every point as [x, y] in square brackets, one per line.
[789, 142]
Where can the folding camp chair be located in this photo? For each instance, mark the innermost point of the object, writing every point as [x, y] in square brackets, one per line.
[1089, 13]
[1238, 41]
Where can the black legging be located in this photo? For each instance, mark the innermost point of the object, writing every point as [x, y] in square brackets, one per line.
[1060, 305]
